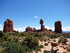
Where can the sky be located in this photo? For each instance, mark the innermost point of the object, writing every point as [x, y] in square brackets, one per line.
[25, 13]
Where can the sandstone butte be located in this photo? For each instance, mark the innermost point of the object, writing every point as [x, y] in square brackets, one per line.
[8, 27]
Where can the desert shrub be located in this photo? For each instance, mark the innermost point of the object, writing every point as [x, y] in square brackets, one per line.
[38, 35]
[62, 40]
[41, 39]
[45, 40]
[15, 34]
[45, 51]
[39, 50]
[27, 49]
[1, 34]
[31, 42]
[54, 36]
[68, 49]
[54, 40]
[66, 35]
[6, 37]
[24, 34]
[46, 44]
[12, 47]
[41, 46]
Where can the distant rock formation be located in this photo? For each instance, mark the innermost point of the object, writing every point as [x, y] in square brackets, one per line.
[8, 26]
[29, 29]
[34, 30]
[42, 26]
[58, 27]
[41, 21]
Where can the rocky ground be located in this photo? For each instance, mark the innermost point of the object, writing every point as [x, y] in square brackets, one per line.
[48, 47]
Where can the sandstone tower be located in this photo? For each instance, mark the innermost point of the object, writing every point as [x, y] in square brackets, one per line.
[58, 27]
[8, 26]
[42, 26]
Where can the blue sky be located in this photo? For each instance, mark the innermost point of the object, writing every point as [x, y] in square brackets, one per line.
[28, 13]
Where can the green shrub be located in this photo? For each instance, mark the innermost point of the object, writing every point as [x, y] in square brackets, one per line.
[54, 36]
[45, 51]
[41, 39]
[46, 44]
[15, 34]
[12, 47]
[1, 34]
[66, 35]
[45, 40]
[62, 40]
[41, 46]
[39, 50]
[54, 40]
[31, 42]
[68, 49]
[38, 35]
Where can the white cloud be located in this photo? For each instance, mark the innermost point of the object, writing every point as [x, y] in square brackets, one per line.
[0, 25]
[1, 28]
[37, 27]
[20, 29]
[36, 17]
[66, 28]
[49, 28]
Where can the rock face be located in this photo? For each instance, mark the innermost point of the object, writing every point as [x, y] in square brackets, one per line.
[54, 44]
[42, 29]
[41, 22]
[58, 27]
[34, 29]
[28, 29]
[8, 26]
[42, 26]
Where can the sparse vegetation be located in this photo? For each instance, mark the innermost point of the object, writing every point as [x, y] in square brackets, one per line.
[41, 46]
[66, 35]
[52, 36]
[68, 49]
[31, 42]
[62, 40]
[46, 44]
[12, 47]
[1, 34]
[45, 51]
[28, 42]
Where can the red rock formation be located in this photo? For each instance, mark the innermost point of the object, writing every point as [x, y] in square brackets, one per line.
[8, 26]
[28, 29]
[34, 29]
[54, 44]
[50, 30]
[41, 21]
[58, 27]
[42, 26]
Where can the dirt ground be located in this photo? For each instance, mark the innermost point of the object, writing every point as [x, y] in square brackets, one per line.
[48, 48]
